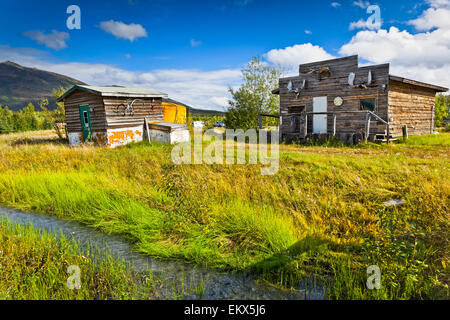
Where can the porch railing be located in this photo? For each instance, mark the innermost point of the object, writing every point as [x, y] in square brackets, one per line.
[368, 119]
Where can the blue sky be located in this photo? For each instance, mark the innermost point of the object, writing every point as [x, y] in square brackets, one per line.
[194, 49]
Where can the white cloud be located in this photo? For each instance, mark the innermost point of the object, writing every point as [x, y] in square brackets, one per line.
[55, 40]
[202, 89]
[291, 57]
[401, 47]
[308, 31]
[365, 24]
[362, 4]
[421, 56]
[219, 101]
[433, 18]
[439, 3]
[335, 4]
[195, 43]
[121, 30]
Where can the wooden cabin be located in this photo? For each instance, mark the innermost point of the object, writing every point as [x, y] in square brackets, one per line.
[114, 116]
[339, 98]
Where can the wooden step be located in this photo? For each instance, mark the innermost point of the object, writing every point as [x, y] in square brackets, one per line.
[385, 140]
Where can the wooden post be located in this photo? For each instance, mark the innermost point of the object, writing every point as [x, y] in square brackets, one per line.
[367, 127]
[334, 124]
[260, 122]
[405, 132]
[388, 134]
[432, 119]
[306, 125]
[147, 130]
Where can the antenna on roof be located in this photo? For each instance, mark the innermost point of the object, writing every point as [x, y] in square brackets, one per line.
[303, 84]
[289, 86]
[351, 79]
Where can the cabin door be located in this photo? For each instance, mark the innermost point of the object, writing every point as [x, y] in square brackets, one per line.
[319, 120]
[85, 117]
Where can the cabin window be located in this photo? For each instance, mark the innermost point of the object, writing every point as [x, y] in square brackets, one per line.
[296, 109]
[368, 104]
[86, 119]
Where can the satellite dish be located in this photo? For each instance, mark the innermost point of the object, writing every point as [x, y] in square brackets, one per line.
[369, 78]
[351, 79]
[289, 86]
[338, 101]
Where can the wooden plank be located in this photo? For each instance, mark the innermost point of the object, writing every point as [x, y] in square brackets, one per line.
[368, 116]
[147, 130]
[334, 125]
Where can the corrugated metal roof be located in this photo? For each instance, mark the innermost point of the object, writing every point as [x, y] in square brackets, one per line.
[116, 91]
[418, 83]
[123, 90]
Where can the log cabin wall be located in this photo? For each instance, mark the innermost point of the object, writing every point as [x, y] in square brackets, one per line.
[110, 127]
[72, 109]
[151, 108]
[332, 85]
[412, 106]
[122, 129]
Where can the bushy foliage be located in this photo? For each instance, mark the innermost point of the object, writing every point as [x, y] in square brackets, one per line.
[29, 119]
[254, 96]
[25, 120]
[442, 110]
[57, 116]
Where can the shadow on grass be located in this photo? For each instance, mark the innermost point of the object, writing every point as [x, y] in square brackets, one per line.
[306, 265]
[39, 141]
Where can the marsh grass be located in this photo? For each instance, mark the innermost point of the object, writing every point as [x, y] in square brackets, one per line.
[440, 140]
[34, 266]
[320, 215]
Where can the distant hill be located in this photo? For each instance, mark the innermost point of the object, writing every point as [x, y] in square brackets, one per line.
[21, 85]
[194, 110]
[207, 112]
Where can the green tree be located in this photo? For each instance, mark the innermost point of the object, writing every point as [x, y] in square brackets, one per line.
[254, 96]
[442, 109]
[5, 120]
[30, 121]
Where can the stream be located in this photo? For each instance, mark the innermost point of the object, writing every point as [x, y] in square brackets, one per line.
[214, 284]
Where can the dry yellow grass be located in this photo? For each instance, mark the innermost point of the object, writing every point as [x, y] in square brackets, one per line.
[323, 208]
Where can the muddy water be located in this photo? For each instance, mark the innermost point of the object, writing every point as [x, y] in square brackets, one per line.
[192, 282]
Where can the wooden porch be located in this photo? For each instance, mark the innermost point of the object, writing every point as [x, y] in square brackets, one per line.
[301, 127]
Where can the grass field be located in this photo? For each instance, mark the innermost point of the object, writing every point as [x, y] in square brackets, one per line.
[34, 265]
[321, 215]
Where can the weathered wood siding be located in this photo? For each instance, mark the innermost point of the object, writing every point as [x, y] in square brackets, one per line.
[151, 109]
[335, 85]
[412, 106]
[72, 108]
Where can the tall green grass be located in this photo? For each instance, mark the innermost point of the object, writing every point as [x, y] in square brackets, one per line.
[440, 140]
[34, 266]
[322, 210]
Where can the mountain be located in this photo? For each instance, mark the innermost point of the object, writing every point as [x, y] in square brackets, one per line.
[207, 112]
[195, 110]
[21, 85]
